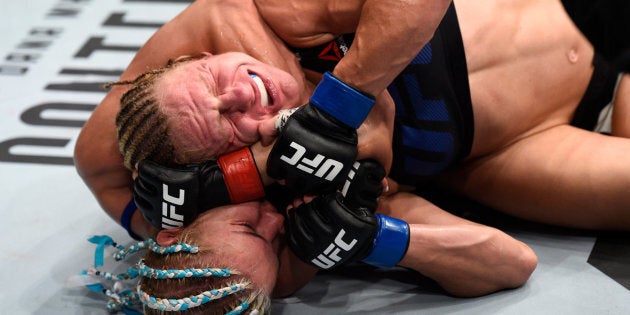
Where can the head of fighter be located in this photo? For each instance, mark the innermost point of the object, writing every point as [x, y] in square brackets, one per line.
[204, 107]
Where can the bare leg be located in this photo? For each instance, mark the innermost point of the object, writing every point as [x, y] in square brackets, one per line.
[563, 176]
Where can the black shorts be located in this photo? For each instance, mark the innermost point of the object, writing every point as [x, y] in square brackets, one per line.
[599, 93]
[434, 123]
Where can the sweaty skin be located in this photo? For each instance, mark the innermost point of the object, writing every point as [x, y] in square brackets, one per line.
[215, 26]
[217, 103]
[389, 33]
[516, 65]
[519, 55]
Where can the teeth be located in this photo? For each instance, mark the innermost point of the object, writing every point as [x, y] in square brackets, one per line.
[264, 97]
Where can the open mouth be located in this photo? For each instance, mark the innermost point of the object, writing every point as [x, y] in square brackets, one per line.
[264, 96]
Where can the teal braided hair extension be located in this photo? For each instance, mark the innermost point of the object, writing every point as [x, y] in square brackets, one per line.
[183, 304]
[156, 248]
[149, 272]
[128, 300]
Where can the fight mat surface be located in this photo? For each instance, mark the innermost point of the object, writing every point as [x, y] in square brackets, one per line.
[55, 56]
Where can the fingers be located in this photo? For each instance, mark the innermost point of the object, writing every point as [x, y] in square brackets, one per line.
[299, 201]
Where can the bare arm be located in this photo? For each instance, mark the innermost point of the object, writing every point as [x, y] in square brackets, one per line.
[465, 258]
[206, 25]
[389, 35]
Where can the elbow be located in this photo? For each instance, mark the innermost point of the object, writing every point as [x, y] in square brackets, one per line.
[522, 269]
[80, 155]
[511, 271]
[514, 273]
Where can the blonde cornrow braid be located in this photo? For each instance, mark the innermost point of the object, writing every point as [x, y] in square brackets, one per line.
[141, 126]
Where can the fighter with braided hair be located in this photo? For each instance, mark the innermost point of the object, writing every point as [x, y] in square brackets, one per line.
[493, 154]
[329, 231]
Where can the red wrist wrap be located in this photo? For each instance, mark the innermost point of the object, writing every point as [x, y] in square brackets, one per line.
[241, 176]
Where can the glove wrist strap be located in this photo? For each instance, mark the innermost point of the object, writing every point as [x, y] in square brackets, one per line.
[241, 176]
[125, 219]
[342, 101]
[390, 243]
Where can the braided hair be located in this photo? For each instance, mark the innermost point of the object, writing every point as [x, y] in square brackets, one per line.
[168, 290]
[142, 126]
[228, 293]
[173, 279]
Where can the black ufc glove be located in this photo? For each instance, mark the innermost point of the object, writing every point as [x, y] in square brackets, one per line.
[326, 234]
[169, 197]
[319, 142]
[329, 232]
[364, 185]
[347, 227]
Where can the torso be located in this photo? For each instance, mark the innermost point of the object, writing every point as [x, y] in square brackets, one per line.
[528, 65]
[522, 80]
[511, 96]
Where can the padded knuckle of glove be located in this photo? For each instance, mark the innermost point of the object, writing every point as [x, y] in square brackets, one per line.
[310, 162]
[313, 118]
[365, 186]
[336, 235]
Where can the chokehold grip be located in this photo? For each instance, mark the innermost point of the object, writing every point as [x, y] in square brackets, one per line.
[241, 176]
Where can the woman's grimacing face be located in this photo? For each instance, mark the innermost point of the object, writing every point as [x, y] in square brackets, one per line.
[225, 102]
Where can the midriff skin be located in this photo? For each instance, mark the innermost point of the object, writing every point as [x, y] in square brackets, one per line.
[522, 79]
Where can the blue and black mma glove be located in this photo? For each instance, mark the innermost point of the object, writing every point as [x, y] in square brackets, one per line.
[169, 197]
[333, 230]
[318, 144]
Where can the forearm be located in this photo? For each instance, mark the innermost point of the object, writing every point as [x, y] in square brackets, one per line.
[99, 163]
[465, 258]
[388, 36]
[98, 160]
[469, 260]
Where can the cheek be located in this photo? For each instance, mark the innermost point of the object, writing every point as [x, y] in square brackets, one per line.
[262, 267]
[247, 127]
[206, 138]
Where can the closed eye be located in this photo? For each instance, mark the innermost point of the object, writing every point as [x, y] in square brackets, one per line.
[250, 231]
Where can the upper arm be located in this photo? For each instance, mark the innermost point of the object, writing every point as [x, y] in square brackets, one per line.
[214, 26]
[97, 158]
[310, 23]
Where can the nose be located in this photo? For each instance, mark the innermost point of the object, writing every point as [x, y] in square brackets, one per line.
[270, 224]
[240, 97]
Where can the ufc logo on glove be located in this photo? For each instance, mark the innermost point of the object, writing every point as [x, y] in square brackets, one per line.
[330, 256]
[170, 218]
[310, 165]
